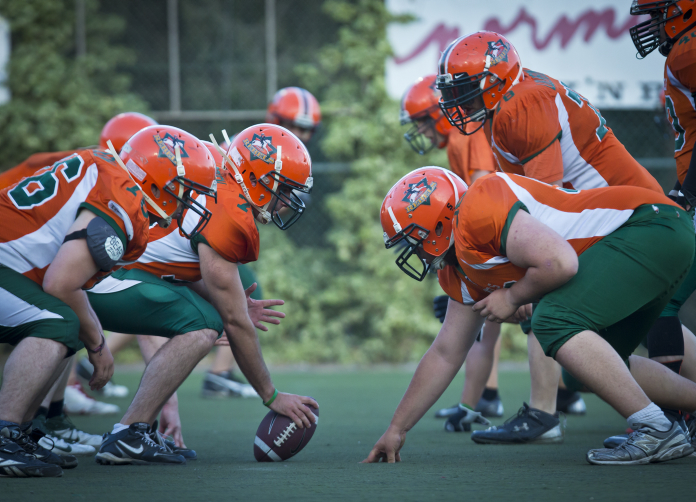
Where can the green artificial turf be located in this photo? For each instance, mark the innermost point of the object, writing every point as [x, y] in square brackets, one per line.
[356, 407]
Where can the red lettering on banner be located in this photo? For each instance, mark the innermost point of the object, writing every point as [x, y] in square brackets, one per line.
[564, 29]
[441, 35]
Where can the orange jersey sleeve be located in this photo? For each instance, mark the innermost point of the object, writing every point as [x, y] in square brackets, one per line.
[468, 154]
[30, 166]
[680, 86]
[39, 210]
[524, 125]
[231, 231]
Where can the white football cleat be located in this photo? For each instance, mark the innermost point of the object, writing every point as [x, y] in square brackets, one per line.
[79, 403]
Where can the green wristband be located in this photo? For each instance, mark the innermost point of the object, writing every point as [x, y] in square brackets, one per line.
[270, 401]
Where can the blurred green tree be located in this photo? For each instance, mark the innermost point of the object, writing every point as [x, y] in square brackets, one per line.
[60, 101]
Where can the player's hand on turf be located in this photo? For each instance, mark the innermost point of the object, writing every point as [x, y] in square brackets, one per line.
[293, 406]
[387, 448]
[259, 310]
[496, 307]
[170, 422]
[103, 363]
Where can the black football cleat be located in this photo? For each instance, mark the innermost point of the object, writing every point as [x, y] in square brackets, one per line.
[17, 463]
[29, 441]
[135, 446]
[158, 438]
[528, 426]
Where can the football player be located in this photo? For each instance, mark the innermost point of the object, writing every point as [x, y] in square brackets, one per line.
[51, 417]
[508, 241]
[470, 157]
[67, 223]
[266, 166]
[297, 110]
[541, 128]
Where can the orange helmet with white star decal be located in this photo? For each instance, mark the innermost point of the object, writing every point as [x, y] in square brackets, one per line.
[418, 211]
[475, 71]
[270, 164]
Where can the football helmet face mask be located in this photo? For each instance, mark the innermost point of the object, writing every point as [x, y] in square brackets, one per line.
[417, 213]
[171, 167]
[271, 165]
[295, 107]
[420, 108]
[121, 127]
[675, 16]
[475, 71]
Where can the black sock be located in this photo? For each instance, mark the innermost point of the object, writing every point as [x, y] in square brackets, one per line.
[55, 409]
[564, 394]
[490, 394]
[42, 411]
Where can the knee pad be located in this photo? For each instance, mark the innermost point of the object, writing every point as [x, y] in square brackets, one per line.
[665, 338]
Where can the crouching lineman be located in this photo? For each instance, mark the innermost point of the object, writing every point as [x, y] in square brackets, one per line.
[470, 157]
[266, 166]
[510, 240]
[60, 228]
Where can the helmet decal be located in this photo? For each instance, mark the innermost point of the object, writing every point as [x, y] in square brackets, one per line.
[167, 146]
[261, 147]
[498, 51]
[418, 194]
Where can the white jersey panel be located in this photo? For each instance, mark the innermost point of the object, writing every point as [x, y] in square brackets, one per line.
[576, 170]
[37, 249]
[174, 248]
[585, 224]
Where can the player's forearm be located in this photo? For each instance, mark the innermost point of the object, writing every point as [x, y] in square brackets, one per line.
[90, 328]
[431, 379]
[538, 281]
[247, 352]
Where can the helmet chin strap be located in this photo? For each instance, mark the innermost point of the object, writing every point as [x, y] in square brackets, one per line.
[167, 219]
[180, 170]
[264, 215]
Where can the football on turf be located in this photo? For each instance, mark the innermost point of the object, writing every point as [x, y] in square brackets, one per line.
[278, 438]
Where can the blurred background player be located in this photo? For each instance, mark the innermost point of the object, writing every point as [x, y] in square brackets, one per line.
[298, 111]
[470, 157]
[564, 143]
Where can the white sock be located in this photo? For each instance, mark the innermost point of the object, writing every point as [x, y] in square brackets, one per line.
[119, 428]
[652, 416]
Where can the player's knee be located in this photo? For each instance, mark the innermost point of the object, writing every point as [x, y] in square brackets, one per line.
[202, 339]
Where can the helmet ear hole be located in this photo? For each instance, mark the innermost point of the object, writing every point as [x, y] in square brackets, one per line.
[252, 179]
[687, 16]
[155, 191]
[438, 228]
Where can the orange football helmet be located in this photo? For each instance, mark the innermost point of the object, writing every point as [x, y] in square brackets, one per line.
[420, 107]
[169, 164]
[483, 64]
[217, 156]
[296, 106]
[270, 164]
[123, 126]
[677, 17]
[418, 211]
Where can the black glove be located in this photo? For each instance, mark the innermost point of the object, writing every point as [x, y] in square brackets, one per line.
[677, 196]
[440, 306]
[462, 420]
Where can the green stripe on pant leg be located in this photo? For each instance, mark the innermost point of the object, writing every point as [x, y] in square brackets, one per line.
[622, 284]
[153, 307]
[65, 330]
